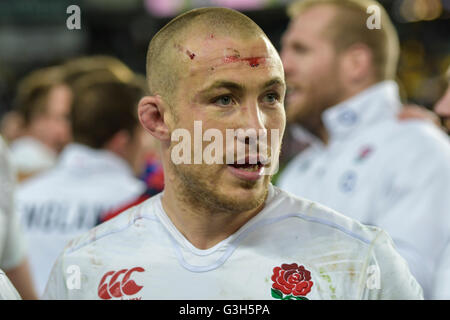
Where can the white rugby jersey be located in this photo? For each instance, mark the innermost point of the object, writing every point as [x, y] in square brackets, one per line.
[12, 242]
[30, 156]
[293, 249]
[68, 200]
[7, 290]
[384, 172]
[441, 288]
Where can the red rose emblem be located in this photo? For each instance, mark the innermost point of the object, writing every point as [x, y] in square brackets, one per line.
[292, 280]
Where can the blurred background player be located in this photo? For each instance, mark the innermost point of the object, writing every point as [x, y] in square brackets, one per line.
[442, 107]
[43, 103]
[147, 167]
[339, 75]
[13, 249]
[94, 173]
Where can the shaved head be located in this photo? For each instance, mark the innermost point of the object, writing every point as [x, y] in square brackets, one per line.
[169, 52]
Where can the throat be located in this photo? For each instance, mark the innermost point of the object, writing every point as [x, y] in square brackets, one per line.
[201, 227]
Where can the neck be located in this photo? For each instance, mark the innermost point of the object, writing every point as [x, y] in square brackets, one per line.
[318, 128]
[202, 225]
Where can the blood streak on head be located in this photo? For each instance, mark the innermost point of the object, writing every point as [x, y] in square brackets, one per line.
[229, 59]
[190, 54]
[180, 48]
[252, 61]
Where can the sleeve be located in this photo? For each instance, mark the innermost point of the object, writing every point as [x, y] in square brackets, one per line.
[413, 207]
[13, 244]
[387, 274]
[7, 290]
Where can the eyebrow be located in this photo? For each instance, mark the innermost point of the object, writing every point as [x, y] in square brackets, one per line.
[239, 87]
[224, 84]
[275, 81]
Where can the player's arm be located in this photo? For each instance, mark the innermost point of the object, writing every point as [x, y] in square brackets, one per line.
[14, 261]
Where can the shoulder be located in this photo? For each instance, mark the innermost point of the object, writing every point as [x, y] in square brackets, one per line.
[323, 219]
[117, 231]
[370, 244]
[417, 135]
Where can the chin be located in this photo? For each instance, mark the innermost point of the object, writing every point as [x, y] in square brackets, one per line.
[241, 197]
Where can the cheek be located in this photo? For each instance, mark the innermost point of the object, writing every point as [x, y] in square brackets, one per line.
[275, 124]
[443, 105]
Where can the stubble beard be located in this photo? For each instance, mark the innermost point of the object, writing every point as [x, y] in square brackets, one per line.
[310, 110]
[197, 188]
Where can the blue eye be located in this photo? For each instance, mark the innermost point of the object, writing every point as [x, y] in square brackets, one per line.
[224, 101]
[271, 98]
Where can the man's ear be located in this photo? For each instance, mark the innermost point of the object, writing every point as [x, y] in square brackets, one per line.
[358, 63]
[151, 111]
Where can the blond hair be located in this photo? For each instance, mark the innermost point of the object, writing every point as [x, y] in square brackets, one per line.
[33, 91]
[163, 62]
[349, 27]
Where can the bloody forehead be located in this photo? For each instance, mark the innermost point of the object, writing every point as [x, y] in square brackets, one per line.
[212, 52]
[232, 55]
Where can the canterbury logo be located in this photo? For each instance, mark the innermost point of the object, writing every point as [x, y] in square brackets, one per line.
[118, 284]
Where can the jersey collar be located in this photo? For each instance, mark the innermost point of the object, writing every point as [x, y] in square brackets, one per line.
[379, 102]
[77, 157]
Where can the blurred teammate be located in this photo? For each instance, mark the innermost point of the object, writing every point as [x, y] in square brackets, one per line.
[441, 288]
[220, 230]
[442, 107]
[363, 161]
[43, 101]
[93, 175]
[13, 250]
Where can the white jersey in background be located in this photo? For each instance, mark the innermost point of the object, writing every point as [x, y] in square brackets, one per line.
[12, 243]
[30, 156]
[69, 199]
[442, 279]
[384, 172]
[7, 290]
[293, 249]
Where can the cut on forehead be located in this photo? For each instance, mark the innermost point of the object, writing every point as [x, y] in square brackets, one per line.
[163, 61]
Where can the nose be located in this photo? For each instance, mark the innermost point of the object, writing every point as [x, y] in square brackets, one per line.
[253, 124]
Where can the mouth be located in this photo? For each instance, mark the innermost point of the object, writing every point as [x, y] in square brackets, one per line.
[247, 169]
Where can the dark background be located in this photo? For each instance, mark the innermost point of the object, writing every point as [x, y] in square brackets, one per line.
[33, 34]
